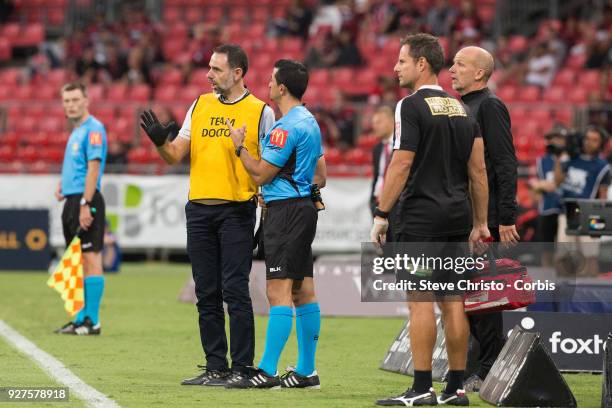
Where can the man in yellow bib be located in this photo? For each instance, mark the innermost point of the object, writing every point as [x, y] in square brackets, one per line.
[221, 209]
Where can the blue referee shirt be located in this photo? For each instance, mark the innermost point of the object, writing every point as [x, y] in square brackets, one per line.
[293, 144]
[86, 142]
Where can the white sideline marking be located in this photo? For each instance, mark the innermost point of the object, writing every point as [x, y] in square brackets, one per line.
[56, 370]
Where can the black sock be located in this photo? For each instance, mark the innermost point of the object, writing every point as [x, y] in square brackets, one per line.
[455, 381]
[422, 381]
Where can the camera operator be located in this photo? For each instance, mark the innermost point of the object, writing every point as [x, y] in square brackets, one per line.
[585, 175]
[550, 205]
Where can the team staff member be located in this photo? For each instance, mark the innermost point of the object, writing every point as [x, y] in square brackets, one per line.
[82, 170]
[382, 127]
[291, 160]
[438, 154]
[470, 72]
[221, 209]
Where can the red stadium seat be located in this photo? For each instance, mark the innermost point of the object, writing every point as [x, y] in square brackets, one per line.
[256, 30]
[11, 32]
[95, 92]
[117, 92]
[25, 125]
[563, 115]
[214, 14]
[319, 77]
[577, 95]
[57, 77]
[171, 76]
[23, 93]
[238, 14]
[541, 115]
[507, 94]
[28, 154]
[193, 15]
[45, 92]
[517, 43]
[5, 49]
[333, 156]
[260, 15]
[7, 153]
[199, 78]
[56, 16]
[565, 78]
[367, 142]
[576, 61]
[166, 93]
[590, 79]
[555, 94]
[529, 94]
[178, 30]
[189, 93]
[343, 76]
[50, 125]
[518, 114]
[358, 156]
[290, 44]
[138, 155]
[171, 15]
[33, 34]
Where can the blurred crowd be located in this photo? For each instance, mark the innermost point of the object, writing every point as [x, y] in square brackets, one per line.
[335, 34]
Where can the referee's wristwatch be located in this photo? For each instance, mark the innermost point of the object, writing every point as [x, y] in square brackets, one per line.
[380, 213]
[85, 202]
[239, 150]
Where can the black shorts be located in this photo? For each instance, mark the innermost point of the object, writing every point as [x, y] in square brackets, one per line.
[547, 227]
[289, 229]
[92, 240]
[452, 246]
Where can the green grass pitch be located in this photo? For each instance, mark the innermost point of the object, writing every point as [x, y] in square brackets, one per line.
[150, 342]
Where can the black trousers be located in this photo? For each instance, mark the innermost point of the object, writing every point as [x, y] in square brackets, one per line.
[220, 247]
[488, 329]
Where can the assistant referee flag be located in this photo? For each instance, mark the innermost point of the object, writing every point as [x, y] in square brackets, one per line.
[67, 278]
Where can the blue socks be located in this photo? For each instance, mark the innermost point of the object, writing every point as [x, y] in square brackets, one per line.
[94, 288]
[279, 328]
[308, 325]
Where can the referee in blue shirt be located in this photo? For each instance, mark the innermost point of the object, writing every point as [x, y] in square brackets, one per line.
[292, 159]
[82, 170]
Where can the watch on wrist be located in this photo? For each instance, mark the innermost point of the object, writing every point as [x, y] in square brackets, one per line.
[239, 150]
[85, 202]
[380, 213]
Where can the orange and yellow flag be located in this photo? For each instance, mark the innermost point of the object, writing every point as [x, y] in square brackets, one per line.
[67, 278]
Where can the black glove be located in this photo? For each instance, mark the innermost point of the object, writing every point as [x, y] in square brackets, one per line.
[315, 194]
[153, 128]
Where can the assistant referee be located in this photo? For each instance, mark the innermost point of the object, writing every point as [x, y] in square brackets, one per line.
[221, 209]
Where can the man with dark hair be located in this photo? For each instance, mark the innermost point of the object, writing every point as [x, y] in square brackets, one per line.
[221, 209]
[80, 185]
[438, 154]
[291, 161]
[472, 68]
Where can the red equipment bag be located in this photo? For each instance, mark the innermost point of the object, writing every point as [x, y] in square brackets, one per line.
[496, 288]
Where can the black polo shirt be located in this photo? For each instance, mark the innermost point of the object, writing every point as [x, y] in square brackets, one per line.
[436, 126]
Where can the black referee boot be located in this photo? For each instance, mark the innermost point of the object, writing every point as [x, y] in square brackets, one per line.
[208, 378]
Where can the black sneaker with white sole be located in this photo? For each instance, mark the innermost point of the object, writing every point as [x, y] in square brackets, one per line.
[87, 328]
[208, 377]
[411, 398]
[68, 328]
[291, 379]
[255, 378]
[457, 399]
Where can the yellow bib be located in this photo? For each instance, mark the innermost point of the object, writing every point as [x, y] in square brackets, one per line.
[216, 171]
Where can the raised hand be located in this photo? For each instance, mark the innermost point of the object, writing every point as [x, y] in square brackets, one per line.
[153, 128]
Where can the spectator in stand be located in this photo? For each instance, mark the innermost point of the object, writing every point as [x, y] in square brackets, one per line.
[343, 115]
[327, 15]
[6, 9]
[321, 53]
[295, 23]
[599, 51]
[441, 18]
[541, 66]
[138, 71]
[549, 33]
[347, 53]
[382, 17]
[466, 29]
[409, 19]
[116, 159]
[383, 123]
[329, 131]
[205, 39]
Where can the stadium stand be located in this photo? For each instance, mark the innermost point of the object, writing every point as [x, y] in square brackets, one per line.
[158, 56]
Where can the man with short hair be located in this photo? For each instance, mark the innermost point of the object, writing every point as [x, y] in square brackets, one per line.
[438, 154]
[80, 185]
[472, 68]
[291, 161]
[221, 209]
[382, 127]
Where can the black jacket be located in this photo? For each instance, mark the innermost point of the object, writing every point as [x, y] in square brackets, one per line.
[494, 121]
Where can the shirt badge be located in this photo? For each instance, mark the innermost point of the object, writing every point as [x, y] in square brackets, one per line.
[95, 138]
[278, 137]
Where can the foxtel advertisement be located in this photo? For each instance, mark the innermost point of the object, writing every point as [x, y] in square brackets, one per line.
[521, 273]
